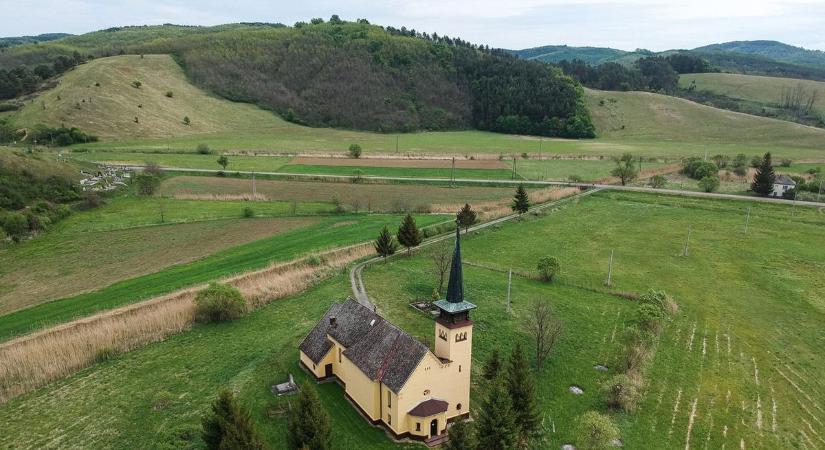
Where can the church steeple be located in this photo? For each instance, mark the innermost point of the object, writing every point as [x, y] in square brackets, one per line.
[455, 308]
[455, 287]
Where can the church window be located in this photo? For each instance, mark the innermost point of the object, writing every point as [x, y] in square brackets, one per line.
[418, 426]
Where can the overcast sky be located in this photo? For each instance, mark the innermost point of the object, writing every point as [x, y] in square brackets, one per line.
[624, 24]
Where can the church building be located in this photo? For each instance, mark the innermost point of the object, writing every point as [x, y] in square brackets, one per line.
[392, 378]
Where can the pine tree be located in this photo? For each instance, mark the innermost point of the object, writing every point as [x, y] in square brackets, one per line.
[495, 425]
[385, 244]
[764, 178]
[466, 217]
[493, 366]
[522, 392]
[461, 437]
[408, 233]
[521, 202]
[309, 425]
[229, 426]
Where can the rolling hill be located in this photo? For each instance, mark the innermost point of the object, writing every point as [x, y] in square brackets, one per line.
[343, 74]
[774, 50]
[645, 116]
[764, 91]
[99, 97]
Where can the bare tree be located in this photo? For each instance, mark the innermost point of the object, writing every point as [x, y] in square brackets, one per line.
[441, 258]
[545, 328]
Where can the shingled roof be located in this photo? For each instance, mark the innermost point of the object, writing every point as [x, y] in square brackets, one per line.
[784, 179]
[381, 350]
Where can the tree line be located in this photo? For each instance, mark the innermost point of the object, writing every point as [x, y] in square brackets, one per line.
[23, 80]
[652, 73]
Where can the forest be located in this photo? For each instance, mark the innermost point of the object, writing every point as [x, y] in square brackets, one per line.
[353, 75]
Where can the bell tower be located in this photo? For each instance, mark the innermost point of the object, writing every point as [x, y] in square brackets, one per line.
[453, 327]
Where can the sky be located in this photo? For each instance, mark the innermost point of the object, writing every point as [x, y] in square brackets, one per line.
[625, 24]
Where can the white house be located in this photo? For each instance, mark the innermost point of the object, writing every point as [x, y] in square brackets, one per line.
[782, 184]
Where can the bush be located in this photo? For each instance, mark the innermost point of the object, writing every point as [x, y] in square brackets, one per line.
[756, 161]
[785, 163]
[15, 225]
[658, 181]
[709, 183]
[170, 94]
[698, 169]
[574, 179]
[203, 149]
[248, 212]
[620, 392]
[147, 183]
[661, 300]
[137, 84]
[649, 317]
[355, 151]
[548, 267]
[186, 120]
[219, 303]
[595, 431]
[91, 200]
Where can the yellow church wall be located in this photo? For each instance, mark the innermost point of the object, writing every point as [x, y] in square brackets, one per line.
[317, 369]
[360, 388]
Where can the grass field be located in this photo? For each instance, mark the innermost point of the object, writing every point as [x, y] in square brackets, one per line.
[67, 261]
[186, 160]
[728, 370]
[417, 172]
[654, 125]
[564, 169]
[367, 196]
[753, 88]
[325, 233]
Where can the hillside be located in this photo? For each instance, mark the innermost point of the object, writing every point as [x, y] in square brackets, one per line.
[770, 49]
[99, 97]
[644, 116]
[556, 53]
[766, 91]
[21, 40]
[348, 75]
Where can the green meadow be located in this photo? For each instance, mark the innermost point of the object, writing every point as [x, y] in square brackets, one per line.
[737, 366]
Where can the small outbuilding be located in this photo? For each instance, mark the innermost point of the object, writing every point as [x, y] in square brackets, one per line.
[782, 184]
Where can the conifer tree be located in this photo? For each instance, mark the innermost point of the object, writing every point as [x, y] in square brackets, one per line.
[462, 437]
[408, 233]
[309, 425]
[521, 202]
[228, 426]
[466, 217]
[493, 366]
[765, 177]
[522, 392]
[385, 244]
[495, 425]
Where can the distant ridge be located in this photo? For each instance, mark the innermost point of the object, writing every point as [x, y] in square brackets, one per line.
[775, 50]
[22, 40]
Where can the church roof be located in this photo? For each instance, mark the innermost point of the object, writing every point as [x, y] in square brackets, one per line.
[382, 351]
[784, 179]
[429, 408]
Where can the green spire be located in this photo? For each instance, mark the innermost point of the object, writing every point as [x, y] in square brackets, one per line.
[455, 287]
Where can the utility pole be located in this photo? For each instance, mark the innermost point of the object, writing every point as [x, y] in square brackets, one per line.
[509, 284]
[514, 168]
[396, 144]
[687, 242]
[706, 152]
[541, 139]
[452, 174]
[640, 166]
[254, 190]
[610, 270]
[747, 220]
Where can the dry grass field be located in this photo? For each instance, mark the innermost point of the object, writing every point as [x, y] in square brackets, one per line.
[374, 197]
[435, 163]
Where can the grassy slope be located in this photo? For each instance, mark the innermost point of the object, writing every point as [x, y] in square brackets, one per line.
[753, 295]
[109, 110]
[647, 117]
[758, 89]
[330, 232]
[655, 125]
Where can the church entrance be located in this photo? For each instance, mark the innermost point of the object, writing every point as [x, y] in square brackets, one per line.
[328, 370]
[434, 428]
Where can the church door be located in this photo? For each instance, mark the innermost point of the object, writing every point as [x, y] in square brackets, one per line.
[434, 428]
[328, 370]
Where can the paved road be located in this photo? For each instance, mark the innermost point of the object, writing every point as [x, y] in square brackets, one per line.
[513, 182]
[359, 292]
